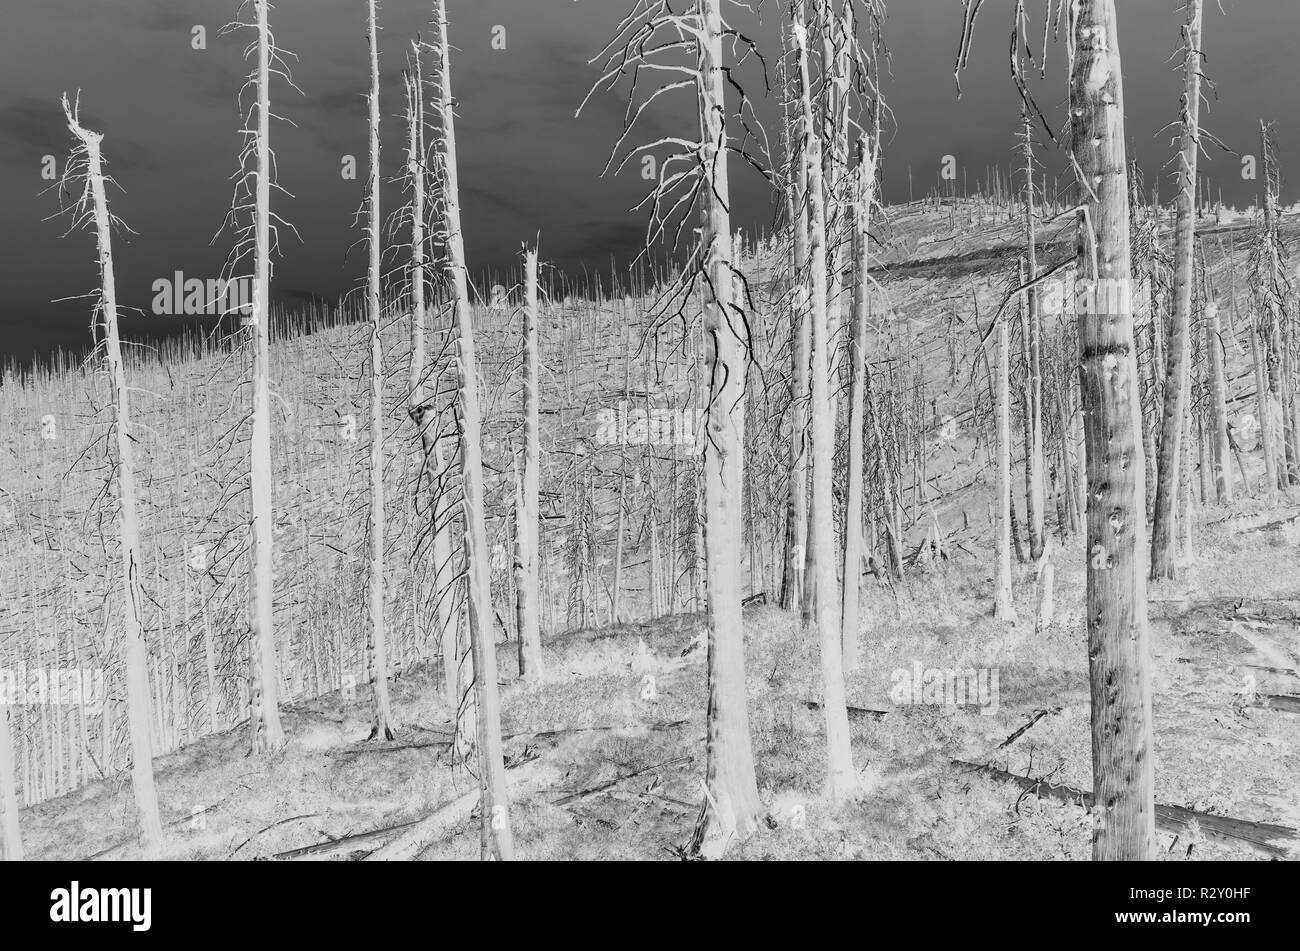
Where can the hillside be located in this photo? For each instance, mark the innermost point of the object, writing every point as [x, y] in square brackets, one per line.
[608, 752]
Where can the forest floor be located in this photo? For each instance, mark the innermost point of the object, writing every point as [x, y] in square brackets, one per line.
[618, 725]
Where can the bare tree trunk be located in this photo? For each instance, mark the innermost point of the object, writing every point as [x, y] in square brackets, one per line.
[11, 839]
[1003, 604]
[1218, 407]
[840, 776]
[423, 412]
[1116, 600]
[800, 344]
[732, 807]
[1034, 467]
[1164, 563]
[528, 512]
[135, 653]
[1263, 407]
[497, 840]
[860, 210]
[378, 636]
[1279, 348]
[264, 682]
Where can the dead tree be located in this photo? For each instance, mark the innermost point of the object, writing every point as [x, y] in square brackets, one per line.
[840, 777]
[696, 175]
[497, 841]
[1177, 387]
[377, 636]
[1116, 598]
[86, 168]
[1034, 467]
[527, 510]
[1003, 604]
[1116, 595]
[11, 839]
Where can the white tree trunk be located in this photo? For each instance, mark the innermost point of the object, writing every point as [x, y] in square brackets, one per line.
[840, 776]
[382, 726]
[528, 512]
[11, 840]
[1116, 599]
[861, 224]
[1003, 604]
[1219, 448]
[1164, 563]
[264, 681]
[1034, 467]
[135, 654]
[732, 805]
[496, 839]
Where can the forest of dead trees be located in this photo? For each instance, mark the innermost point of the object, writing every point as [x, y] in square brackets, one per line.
[736, 417]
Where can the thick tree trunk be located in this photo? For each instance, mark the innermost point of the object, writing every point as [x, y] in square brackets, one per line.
[497, 840]
[1164, 561]
[135, 653]
[732, 805]
[1116, 599]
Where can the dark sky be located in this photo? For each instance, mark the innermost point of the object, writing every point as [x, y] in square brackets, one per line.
[169, 116]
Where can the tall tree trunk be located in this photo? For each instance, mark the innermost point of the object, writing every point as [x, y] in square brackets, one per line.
[840, 776]
[1116, 600]
[264, 680]
[497, 840]
[1003, 605]
[377, 660]
[1219, 447]
[1263, 407]
[792, 597]
[433, 470]
[1279, 349]
[860, 209]
[1164, 561]
[1034, 466]
[135, 653]
[528, 512]
[732, 806]
[11, 839]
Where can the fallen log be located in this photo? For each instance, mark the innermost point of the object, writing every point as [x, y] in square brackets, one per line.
[333, 845]
[1261, 836]
[602, 787]
[412, 842]
[389, 748]
[1278, 701]
[853, 711]
[562, 731]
